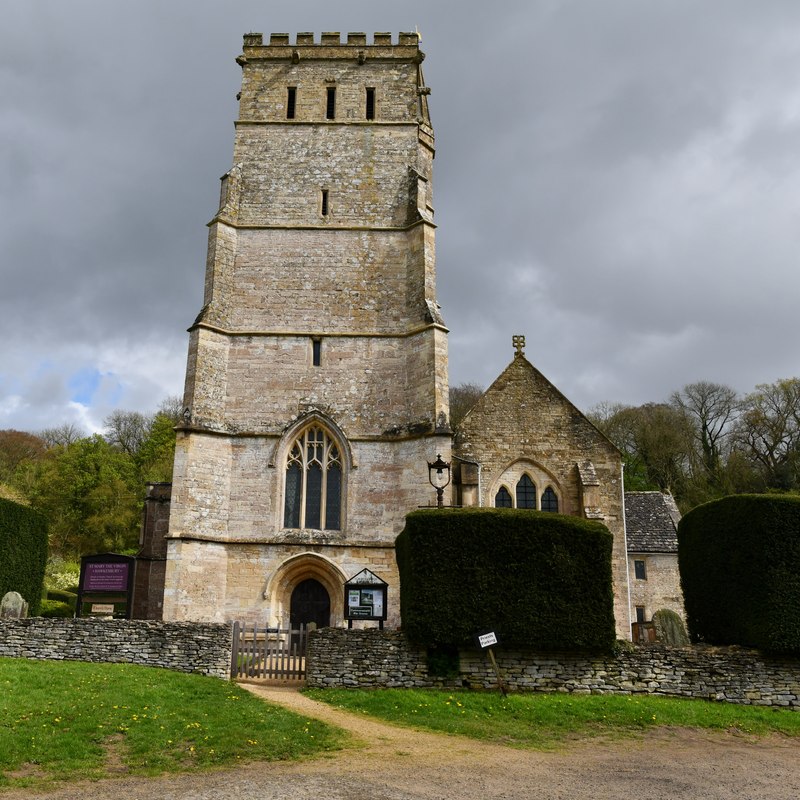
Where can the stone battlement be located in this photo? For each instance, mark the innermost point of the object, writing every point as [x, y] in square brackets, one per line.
[331, 39]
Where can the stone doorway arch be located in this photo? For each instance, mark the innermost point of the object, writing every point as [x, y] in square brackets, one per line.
[308, 574]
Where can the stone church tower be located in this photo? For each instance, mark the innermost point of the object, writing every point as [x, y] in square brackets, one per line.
[316, 387]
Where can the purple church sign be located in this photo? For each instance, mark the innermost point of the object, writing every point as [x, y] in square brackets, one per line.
[106, 585]
[106, 577]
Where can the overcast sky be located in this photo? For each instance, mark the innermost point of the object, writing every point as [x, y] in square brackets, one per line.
[619, 181]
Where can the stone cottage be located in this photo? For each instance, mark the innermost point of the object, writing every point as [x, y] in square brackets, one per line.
[652, 531]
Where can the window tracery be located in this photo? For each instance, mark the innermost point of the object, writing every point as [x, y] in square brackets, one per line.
[313, 489]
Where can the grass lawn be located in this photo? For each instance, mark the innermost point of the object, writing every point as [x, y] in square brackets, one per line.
[68, 719]
[544, 720]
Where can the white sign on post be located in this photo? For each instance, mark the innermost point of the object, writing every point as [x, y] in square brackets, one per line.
[487, 639]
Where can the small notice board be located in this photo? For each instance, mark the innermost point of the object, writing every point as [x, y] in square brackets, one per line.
[106, 586]
[365, 598]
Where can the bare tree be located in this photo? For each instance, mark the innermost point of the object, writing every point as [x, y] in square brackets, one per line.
[172, 407]
[127, 430]
[62, 435]
[462, 398]
[712, 409]
[768, 431]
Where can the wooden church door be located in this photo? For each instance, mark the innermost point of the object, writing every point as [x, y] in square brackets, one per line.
[310, 603]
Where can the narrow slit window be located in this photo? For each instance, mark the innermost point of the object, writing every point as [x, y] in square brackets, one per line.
[324, 203]
[370, 102]
[316, 351]
[291, 102]
[330, 107]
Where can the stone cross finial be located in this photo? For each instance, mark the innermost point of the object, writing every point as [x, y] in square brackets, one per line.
[519, 342]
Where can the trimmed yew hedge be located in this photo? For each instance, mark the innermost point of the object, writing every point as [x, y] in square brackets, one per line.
[536, 579]
[739, 560]
[23, 552]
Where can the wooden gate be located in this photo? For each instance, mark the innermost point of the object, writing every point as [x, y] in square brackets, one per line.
[262, 653]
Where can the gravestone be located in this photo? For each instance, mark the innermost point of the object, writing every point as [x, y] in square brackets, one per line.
[13, 606]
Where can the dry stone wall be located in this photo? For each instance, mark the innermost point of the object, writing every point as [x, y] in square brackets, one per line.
[181, 646]
[373, 658]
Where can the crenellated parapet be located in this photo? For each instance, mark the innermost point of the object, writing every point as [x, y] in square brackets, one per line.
[330, 45]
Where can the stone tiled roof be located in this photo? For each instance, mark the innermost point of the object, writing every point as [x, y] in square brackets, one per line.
[651, 522]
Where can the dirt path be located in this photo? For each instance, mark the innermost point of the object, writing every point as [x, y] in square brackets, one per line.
[394, 763]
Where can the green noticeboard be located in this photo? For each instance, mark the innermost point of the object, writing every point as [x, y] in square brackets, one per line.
[365, 597]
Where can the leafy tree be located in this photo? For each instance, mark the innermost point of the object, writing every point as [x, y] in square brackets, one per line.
[91, 494]
[157, 452]
[17, 447]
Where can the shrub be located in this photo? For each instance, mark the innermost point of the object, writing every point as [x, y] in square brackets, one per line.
[23, 552]
[739, 560]
[70, 598]
[536, 579]
[55, 608]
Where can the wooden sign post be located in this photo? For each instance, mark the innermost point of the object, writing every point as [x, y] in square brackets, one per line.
[486, 640]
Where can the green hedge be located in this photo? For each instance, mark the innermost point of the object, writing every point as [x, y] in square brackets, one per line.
[538, 580]
[23, 552]
[739, 560]
[55, 608]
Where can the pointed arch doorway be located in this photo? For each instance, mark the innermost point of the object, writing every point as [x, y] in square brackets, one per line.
[310, 602]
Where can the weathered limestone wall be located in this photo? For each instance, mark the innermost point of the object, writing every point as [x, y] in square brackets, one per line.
[324, 233]
[253, 582]
[374, 658]
[661, 589]
[179, 646]
[523, 423]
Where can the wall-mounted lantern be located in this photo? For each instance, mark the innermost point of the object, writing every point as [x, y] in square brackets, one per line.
[439, 477]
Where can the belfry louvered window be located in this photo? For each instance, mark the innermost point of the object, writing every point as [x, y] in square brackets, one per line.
[313, 497]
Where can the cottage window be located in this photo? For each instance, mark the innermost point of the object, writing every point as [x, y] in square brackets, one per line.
[503, 498]
[640, 614]
[640, 570]
[526, 493]
[313, 496]
[549, 500]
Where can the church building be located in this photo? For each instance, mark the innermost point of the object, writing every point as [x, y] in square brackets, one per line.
[317, 382]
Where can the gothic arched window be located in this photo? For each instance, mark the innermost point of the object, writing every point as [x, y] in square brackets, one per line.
[526, 493]
[503, 498]
[549, 500]
[313, 496]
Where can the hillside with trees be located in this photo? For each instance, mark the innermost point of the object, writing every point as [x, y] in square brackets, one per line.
[90, 488]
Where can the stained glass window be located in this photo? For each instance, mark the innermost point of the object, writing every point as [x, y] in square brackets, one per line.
[549, 500]
[313, 492]
[503, 498]
[526, 493]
